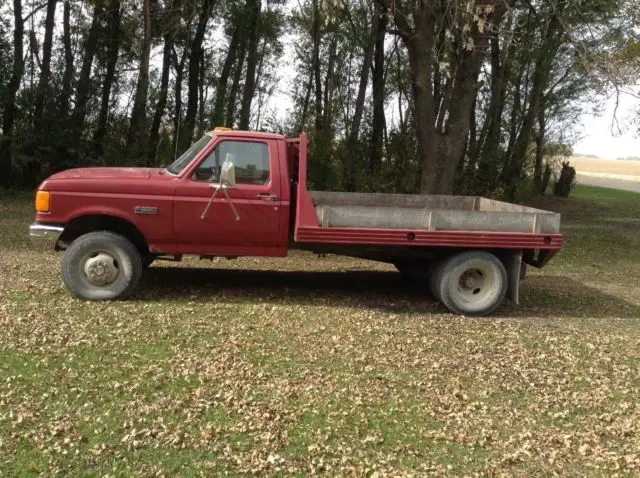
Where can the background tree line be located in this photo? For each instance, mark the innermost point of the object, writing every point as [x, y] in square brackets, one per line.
[437, 96]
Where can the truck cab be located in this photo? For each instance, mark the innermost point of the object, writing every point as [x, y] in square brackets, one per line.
[165, 205]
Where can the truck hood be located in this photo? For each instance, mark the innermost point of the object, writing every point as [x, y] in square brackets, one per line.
[103, 173]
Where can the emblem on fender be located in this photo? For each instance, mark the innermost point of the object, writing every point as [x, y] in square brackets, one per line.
[145, 210]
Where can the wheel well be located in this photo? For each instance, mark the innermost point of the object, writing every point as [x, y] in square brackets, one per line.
[100, 222]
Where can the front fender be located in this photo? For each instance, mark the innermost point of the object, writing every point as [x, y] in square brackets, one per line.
[156, 227]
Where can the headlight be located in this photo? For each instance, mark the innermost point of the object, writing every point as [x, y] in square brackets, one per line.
[43, 201]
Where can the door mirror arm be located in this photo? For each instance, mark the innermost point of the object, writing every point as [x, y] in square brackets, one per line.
[220, 187]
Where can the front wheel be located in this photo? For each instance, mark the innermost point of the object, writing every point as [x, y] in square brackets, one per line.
[471, 283]
[101, 265]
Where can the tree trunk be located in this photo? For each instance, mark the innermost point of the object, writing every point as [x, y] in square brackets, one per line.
[136, 140]
[221, 85]
[67, 76]
[514, 119]
[84, 82]
[540, 139]
[419, 48]
[6, 168]
[377, 130]
[488, 162]
[543, 65]
[441, 82]
[45, 67]
[252, 61]
[440, 150]
[202, 94]
[33, 54]
[112, 59]
[195, 55]
[305, 103]
[546, 177]
[469, 169]
[315, 63]
[460, 106]
[329, 87]
[367, 61]
[262, 96]
[177, 117]
[402, 93]
[154, 134]
[235, 85]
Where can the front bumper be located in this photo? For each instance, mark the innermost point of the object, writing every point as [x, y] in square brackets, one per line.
[43, 236]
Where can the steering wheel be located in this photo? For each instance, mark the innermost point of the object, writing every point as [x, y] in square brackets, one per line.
[204, 174]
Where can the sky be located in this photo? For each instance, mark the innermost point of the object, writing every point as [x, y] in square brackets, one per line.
[596, 132]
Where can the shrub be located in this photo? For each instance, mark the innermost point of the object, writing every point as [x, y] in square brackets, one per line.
[566, 181]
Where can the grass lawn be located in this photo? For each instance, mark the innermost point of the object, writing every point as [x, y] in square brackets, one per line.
[325, 365]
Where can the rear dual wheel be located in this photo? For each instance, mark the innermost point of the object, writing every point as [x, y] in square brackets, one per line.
[471, 283]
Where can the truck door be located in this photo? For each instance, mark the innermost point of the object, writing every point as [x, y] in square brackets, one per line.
[255, 196]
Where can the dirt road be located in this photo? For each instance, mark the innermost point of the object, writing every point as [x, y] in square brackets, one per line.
[608, 182]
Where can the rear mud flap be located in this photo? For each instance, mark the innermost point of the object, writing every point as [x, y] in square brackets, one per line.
[515, 271]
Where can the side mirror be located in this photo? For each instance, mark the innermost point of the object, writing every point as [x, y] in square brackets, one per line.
[228, 172]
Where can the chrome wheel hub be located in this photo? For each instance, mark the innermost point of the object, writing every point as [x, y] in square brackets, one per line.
[469, 282]
[101, 269]
[475, 284]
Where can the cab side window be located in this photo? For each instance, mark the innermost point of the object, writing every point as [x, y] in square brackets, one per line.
[251, 161]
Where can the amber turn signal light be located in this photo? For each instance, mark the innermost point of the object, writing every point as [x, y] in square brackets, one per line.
[43, 201]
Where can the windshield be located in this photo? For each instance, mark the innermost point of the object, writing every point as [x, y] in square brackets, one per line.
[186, 157]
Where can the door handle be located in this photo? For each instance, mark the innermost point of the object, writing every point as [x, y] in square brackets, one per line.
[267, 197]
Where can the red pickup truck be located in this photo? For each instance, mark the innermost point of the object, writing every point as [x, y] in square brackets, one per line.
[239, 193]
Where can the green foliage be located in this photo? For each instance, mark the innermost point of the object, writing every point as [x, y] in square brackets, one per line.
[595, 43]
[558, 149]
[399, 171]
[566, 181]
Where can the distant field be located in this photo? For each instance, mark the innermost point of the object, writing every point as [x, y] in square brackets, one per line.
[605, 166]
[608, 173]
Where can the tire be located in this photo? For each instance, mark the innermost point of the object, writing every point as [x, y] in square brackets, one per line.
[472, 283]
[435, 278]
[101, 265]
[425, 273]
